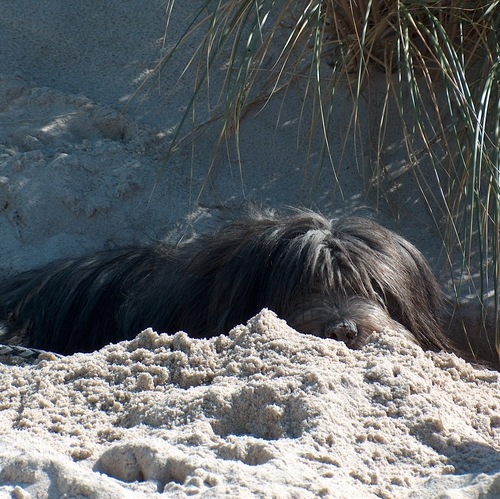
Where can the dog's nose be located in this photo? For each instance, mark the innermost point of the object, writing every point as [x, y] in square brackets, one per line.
[342, 330]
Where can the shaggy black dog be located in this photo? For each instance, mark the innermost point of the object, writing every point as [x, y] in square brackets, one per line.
[338, 279]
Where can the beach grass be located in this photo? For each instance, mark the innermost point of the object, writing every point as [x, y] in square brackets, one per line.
[440, 67]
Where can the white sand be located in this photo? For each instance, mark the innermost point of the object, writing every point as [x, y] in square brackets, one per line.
[265, 412]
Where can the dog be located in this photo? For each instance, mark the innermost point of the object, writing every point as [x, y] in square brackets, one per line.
[340, 279]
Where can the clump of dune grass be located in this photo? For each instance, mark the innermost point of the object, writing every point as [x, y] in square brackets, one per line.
[442, 70]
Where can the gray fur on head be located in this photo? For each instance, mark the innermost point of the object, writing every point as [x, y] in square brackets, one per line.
[332, 278]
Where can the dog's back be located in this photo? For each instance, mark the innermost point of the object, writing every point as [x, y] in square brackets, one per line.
[78, 304]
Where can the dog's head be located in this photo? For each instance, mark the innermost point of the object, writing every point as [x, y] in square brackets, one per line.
[339, 278]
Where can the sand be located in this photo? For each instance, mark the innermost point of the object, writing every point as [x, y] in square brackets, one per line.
[264, 412]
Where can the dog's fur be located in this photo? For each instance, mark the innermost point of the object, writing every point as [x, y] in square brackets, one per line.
[340, 279]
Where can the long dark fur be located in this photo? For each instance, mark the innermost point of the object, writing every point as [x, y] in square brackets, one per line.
[341, 279]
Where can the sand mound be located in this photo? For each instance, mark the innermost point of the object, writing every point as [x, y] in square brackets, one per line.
[263, 412]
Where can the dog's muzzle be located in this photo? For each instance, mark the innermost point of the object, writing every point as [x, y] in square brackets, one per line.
[341, 330]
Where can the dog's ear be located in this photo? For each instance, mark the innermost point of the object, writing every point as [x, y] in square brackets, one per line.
[384, 267]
